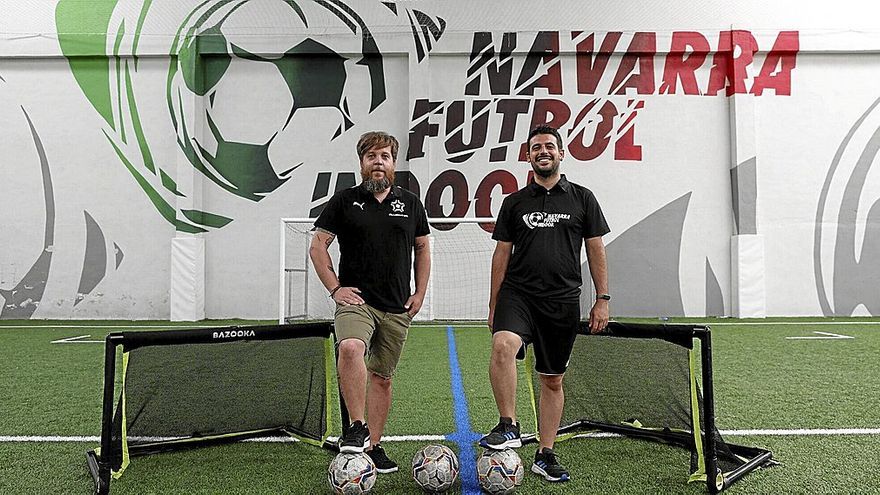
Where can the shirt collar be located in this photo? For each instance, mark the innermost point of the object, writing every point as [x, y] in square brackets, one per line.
[563, 185]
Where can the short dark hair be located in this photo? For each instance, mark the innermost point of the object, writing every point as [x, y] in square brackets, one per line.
[544, 129]
[377, 139]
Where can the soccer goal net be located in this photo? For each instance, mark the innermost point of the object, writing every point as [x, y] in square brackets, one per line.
[176, 389]
[461, 263]
[652, 382]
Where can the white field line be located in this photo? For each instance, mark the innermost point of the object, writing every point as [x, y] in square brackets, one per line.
[99, 327]
[456, 325]
[802, 432]
[823, 336]
[77, 340]
[699, 323]
[771, 323]
[428, 438]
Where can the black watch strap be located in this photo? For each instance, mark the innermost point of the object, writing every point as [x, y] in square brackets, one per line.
[606, 297]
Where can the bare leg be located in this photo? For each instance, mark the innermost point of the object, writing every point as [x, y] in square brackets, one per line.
[550, 408]
[353, 377]
[378, 405]
[502, 371]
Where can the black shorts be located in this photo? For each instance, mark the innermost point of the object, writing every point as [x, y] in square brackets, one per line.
[550, 325]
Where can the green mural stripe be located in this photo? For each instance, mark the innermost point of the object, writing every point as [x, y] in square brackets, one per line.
[165, 209]
[299, 11]
[185, 22]
[136, 123]
[82, 36]
[169, 183]
[118, 60]
[205, 218]
[139, 29]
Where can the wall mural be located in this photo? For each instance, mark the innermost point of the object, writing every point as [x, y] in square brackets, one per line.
[312, 73]
[846, 251]
[170, 89]
[24, 298]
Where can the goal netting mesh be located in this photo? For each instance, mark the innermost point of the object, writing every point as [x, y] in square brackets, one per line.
[175, 389]
[652, 382]
[461, 262]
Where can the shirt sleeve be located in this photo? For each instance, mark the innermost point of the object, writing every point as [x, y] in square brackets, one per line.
[330, 218]
[422, 227]
[594, 220]
[503, 231]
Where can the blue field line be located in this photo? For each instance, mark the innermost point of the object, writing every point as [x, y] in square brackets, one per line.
[464, 437]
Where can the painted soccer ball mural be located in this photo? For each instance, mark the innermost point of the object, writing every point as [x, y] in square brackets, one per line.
[238, 101]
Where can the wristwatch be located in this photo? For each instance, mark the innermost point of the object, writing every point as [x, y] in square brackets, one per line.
[606, 297]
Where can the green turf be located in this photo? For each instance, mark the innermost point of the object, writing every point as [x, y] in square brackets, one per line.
[762, 381]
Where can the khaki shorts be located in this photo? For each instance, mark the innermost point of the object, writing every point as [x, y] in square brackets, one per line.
[383, 333]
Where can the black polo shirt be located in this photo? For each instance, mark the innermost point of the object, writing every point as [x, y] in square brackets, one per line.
[376, 242]
[547, 229]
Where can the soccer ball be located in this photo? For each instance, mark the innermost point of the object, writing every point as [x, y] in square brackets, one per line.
[435, 468]
[499, 471]
[351, 474]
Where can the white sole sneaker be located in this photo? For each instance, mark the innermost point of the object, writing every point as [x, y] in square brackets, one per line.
[540, 471]
[354, 449]
[509, 444]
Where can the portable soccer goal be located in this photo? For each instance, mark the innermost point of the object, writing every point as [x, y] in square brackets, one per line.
[652, 382]
[178, 389]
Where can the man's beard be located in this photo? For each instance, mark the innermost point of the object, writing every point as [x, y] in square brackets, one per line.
[377, 185]
[545, 173]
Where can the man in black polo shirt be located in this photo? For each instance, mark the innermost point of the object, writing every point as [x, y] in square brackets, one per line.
[379, 226]
[536, 285]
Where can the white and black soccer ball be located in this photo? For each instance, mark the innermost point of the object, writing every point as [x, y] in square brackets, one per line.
[499, 471]
[351, 474]
[435, 468]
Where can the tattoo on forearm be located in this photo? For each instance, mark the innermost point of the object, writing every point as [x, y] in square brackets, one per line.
[329, 241]
[330, 267]
[421, 245]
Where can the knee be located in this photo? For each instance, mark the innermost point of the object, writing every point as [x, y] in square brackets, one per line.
[350, 349]
[505, 345]
[380, 382]
[552, 383]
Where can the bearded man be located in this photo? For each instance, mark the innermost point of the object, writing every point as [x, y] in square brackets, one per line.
[379, 226]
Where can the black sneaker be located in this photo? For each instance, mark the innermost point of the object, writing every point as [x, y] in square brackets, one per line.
[504, 436]
[547, 465]
[355, 439]
[382, 462]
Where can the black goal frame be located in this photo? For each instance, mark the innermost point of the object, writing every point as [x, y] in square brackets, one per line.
[683, 335]
[98, 463]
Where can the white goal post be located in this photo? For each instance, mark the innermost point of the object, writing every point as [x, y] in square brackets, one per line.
[461, 258]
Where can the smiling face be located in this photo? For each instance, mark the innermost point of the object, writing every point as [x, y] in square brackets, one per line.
[377, 168]
[544, 155]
